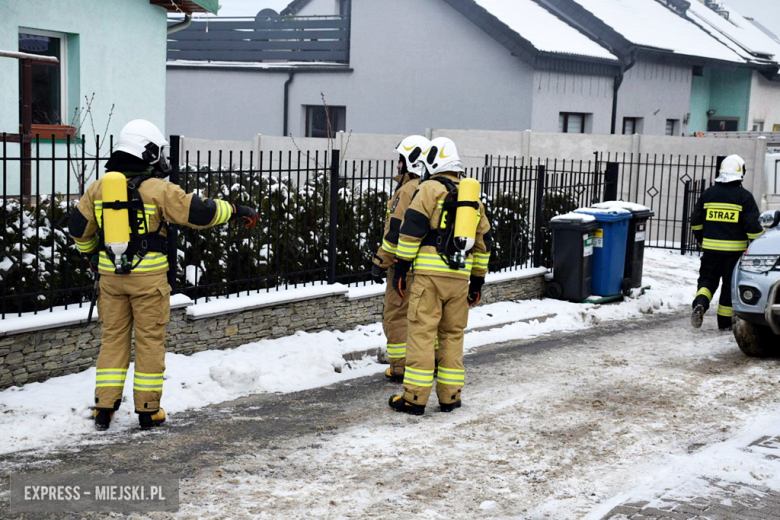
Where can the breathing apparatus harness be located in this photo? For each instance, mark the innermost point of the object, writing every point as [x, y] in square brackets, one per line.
[449, 247]
[140, 244]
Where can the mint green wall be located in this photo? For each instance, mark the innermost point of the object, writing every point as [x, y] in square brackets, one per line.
[726, 92]
[116, 50]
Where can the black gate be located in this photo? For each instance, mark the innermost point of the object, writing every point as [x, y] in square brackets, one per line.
[693, 190]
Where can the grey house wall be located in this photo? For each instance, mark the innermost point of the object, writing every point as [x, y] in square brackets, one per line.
[409, 75]
[556, 92]
[655, 92]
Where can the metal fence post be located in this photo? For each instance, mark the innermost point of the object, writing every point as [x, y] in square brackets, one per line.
[685, 222]
[173, 229]
[334, 214]
[611, 181]
[541, 183]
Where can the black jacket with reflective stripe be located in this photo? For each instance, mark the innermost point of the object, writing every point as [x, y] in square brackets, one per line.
[726, 219]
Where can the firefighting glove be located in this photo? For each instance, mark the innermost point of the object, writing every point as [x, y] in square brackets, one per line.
[249, 216]
[399, 277]
[378, 274]
[93, 260]
[475, 290]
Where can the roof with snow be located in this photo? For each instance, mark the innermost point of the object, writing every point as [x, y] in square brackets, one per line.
[648, 24]
[543, 30]
[738, 33]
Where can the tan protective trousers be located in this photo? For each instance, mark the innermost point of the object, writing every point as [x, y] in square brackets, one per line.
[394, 323]
[437, 304]
[128, 303]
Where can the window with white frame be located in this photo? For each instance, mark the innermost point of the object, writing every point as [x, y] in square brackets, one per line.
[572, 122]
[672, 127]
[758, 126]
[324, 121]
[632, 125]
[49, 83]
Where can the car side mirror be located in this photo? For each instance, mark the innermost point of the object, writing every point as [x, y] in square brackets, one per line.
[769, 219]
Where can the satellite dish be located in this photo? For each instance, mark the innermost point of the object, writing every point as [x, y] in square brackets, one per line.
[265, 14]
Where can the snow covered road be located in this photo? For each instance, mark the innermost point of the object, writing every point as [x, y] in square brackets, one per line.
[560, 427]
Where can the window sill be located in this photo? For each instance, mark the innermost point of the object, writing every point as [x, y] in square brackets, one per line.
[56, 132]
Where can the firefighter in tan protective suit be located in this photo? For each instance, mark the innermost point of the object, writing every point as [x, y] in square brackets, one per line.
[410, 168]
[450, 267]
[134, 295]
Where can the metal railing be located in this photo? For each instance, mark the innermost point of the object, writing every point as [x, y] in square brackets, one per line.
[321, 217]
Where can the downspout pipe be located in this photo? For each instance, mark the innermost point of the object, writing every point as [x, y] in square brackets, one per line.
[181, 25]
[618, 83]
[287, 102]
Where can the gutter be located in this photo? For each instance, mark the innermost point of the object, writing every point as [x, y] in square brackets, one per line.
[181, 25]
[287, 101]
[618, 82]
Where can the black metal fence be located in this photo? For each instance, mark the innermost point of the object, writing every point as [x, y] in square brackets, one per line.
[322, 217]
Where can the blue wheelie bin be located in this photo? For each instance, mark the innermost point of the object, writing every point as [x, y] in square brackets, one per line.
[609, 249]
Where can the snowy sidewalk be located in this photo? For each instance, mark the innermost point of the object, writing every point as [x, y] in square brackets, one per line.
[57, 412]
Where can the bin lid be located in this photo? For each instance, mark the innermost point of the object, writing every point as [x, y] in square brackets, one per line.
[638, 210]
[574, 221]
[606, 215]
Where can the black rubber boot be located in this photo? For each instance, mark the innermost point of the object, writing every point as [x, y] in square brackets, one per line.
[393, 378]
[448, 407]
[697, 316]
[399, 404]
[151, 419]
[102, 418]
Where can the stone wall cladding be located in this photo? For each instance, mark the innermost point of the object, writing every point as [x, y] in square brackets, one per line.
[40, 355]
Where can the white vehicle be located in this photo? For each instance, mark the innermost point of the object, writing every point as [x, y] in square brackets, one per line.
[755, 287]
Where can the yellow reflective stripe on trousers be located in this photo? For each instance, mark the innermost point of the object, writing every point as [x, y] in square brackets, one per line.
[451, 376]
[110, 377]
[753, 236]
[736, 246]
[417, 377]
[698, 228]
[151, 262]
[407, 250]
[86, 246]
[433, 262]
[723, 206]
[723, 310]
[147, 382]
[396, 350]
[387, 246]
[436, 343]
[705, 292]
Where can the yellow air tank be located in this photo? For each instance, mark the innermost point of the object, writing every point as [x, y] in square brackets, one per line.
[116, 222]
[466, 219]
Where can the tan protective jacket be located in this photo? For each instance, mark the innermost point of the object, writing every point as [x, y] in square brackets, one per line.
[396, 207]
[163, 202]
[424, 216]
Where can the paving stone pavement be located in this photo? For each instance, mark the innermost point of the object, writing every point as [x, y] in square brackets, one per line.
[724, 501]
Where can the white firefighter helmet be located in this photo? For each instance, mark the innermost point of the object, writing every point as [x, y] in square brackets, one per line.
[731, 169]
[412, 148]
[442, 156]
[142, 139]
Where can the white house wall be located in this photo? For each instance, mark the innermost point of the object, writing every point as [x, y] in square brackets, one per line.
[404, 81]
[556, 92]
[655, 92]
[764, 102]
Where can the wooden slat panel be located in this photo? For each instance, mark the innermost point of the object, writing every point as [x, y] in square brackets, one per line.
[292, 24]
[263, 35]
[338, 56]
[191, 45]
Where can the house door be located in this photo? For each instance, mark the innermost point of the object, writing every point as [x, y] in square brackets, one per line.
[723, 125]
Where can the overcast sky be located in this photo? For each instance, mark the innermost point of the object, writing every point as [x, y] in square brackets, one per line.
[765, 11]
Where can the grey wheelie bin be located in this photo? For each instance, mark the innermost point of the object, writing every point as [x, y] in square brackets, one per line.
[572, 256]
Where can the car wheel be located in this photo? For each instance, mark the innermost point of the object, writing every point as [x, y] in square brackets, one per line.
[755, 340]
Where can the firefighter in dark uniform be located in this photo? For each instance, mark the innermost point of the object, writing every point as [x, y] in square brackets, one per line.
[134, 295]
[724, 221]
[410, 168]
